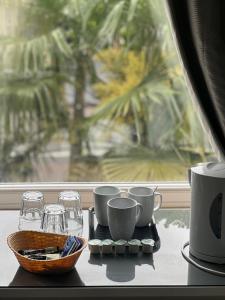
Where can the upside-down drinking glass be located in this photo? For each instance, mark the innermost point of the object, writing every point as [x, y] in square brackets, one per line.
[71, 201]
[54, 219]
[31, 211]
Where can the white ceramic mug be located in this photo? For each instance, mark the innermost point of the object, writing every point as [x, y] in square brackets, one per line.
[123, 214]
[102, 194]
[146, 197]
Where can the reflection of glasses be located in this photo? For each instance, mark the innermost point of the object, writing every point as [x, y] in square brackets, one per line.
[54, 219]
[74, 216]
[31, 210]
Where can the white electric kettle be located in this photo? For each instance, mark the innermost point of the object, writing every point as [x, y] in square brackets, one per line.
[207, 226]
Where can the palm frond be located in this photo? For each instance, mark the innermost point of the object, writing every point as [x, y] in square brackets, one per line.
[32, 102]
[152, 88]
[38, 53]
[132, 10]
[111, 24]
[140, 164]
[78, 9]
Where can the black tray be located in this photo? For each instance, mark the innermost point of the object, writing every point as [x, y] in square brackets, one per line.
[97, 231]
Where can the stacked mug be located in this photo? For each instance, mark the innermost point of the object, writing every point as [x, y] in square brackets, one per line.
[123, 213]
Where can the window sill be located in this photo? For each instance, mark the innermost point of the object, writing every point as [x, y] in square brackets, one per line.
[174, 194]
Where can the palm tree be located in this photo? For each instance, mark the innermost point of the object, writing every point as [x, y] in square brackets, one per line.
[30, 90]
[157, 104]
[55, 37]
[57, 42]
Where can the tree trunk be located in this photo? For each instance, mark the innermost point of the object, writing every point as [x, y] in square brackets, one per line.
[145, 134]
[76, 131]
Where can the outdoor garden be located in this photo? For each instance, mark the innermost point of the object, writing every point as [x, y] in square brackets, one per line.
[100, 81]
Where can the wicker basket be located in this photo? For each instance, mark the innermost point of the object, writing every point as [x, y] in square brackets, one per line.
[36, 240]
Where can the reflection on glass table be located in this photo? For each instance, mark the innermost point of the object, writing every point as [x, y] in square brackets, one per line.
[166, 267]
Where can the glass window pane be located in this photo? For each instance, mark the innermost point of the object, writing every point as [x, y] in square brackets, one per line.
[94, 91]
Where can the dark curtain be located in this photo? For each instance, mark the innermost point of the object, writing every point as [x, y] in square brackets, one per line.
[199, 27]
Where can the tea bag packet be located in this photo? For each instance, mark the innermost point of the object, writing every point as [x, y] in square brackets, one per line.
[47, 250]
[72, 244]
[38, 257]
[54, 256]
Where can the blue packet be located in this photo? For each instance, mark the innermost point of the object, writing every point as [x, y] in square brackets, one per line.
[72, 244]
[75, 246]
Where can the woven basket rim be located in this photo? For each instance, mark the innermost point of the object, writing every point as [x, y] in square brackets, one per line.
[83, 239]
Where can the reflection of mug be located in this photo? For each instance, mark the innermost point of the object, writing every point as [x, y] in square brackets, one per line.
[145, 196]
[123, 214]
[102, 195]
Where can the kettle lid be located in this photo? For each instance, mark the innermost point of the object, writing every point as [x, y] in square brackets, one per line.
[211, 169]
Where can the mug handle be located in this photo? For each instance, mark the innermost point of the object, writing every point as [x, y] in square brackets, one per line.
[160, 201]
[140, 210]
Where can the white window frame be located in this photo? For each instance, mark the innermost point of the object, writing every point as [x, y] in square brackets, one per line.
[175, 194]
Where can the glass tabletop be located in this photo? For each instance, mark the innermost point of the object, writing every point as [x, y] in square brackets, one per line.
[166, 267]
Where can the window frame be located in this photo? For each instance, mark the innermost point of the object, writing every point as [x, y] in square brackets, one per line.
[175, 194]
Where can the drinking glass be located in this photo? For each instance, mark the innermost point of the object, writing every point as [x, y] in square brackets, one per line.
[54, 219]
[31, 211]
[74, 216]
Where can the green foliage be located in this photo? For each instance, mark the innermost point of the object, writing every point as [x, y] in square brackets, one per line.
[65, 41]
[135, 89]
[141, 164]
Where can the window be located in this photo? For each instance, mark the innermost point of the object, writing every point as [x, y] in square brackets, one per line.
[93, 91]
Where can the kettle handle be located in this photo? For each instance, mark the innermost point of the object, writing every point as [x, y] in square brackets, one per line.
[215, 215]
[189, 176]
